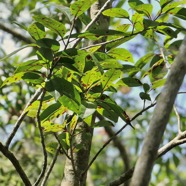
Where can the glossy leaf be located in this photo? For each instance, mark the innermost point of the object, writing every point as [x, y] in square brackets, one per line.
[116, 12]
[121, 54]
[51, 24]
[37, 30]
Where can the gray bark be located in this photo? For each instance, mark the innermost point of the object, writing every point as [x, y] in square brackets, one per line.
[144, 165]
[84, 137]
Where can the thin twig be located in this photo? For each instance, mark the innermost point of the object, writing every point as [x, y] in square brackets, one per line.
[42, 140]
[178, 118]
[110, 139]
[92, 21]
[15, 163]
[21, 117]
[51, 167]
[178, 140]
[63, 150]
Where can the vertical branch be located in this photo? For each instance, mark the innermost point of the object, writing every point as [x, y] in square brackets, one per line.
[178, 118]
[42, 140]
[144, 165]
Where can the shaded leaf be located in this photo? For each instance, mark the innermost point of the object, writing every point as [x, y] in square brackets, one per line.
[51, 24]
[145, 96]
[103, 123]
[51, 147]
[131, 82]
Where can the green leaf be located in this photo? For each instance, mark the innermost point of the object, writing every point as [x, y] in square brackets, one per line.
[51, 147]
[63, 87]
[33, 109]
[13, 79]
[137, 20]
[134, 3]
[103, 123]
[87, 109]
[31, 65]
[142, 62]
[33, 77]
[146, 87]
[110, 63]
[45, 54]
[131, 82]
[164, 2]
[167, 31]
[89, 78]
[70, 104]
[37, 30]
[116, 12]
[179, 12]
[145, 9]
[109, 77]
[158, 83]
[145, 96]
[80, 6]
[51, 24]
[49, 43]
[170, 6]
[49, 111]
[121, 54]
[123, 27]
[48, 126]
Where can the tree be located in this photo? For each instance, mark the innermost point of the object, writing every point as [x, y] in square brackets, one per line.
[80, 63]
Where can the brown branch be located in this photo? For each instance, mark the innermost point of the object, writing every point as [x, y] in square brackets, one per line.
[21, 117]
[15, 163]
[42, 139]
[15, 34]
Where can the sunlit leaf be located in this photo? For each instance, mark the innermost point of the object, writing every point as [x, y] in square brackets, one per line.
[158, 83]
[80, 6]
[48, 126]
[109, 77]
[116, 12]
[37, 30]
[121, 54]
[13, 79]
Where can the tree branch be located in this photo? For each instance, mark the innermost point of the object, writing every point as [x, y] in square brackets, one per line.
[15, 163]
[42, 139]
[178, 140]
[92, 21]
[22, 116]
[144, 165]
[15, 34]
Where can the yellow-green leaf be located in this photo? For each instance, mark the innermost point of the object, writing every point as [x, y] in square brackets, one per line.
[116, 12]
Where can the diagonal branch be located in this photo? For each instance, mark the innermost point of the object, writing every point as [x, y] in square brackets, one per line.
[15, 163]
[15, 34]
[22, 116]
[161, 114]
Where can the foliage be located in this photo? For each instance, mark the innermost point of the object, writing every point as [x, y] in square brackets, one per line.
[79, 82]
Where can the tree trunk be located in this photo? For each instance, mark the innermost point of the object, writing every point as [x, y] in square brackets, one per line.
[75, 173]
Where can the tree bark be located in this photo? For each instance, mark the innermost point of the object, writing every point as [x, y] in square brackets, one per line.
[144, 165]
[75, 171]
